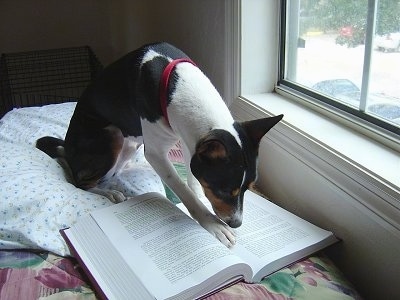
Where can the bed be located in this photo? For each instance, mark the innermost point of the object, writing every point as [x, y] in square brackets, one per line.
[37, 200]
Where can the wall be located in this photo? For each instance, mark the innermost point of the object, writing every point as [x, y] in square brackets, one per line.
[196, 27]
[130, 25]
[370, 247]
[113, 28]
[262, 71]
[369, 251]
[31, 25]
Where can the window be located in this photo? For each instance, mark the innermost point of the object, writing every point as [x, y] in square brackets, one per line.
[345, 54]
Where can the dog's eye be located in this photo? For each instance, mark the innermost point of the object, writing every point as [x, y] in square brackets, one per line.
[223, 193]
[228, 193]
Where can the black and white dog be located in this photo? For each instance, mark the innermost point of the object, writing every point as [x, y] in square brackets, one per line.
[156, 95]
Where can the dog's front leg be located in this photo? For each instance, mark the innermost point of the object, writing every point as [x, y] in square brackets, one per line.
[156, 149]
[208, 220]
[196, 208]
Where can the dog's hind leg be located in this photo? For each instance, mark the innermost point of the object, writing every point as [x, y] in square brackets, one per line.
[129, 148]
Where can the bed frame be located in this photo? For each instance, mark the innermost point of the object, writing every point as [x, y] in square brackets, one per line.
[41, 77]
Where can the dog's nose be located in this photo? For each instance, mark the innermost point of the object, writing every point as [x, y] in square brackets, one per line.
[234, 220]
[234, 223]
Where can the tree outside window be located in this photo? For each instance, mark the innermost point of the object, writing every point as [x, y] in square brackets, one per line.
[347, 53]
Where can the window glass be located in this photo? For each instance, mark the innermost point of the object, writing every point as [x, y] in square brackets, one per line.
[346, 53]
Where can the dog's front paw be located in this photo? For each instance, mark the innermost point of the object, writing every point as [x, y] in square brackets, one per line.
[219, 229]
[113, 195]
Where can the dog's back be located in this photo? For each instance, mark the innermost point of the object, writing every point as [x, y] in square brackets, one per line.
[131, 86]
[110, 109]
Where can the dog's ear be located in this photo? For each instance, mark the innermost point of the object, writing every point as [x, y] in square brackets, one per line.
[211, 148]
[256, 129]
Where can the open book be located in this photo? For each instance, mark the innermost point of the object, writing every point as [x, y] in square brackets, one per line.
[148, 248]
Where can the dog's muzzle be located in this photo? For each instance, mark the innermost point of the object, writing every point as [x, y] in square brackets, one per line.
[233, 221]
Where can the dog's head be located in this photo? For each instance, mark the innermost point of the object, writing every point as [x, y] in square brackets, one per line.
[226, 167]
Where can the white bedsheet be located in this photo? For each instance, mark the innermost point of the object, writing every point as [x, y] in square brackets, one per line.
[36, 200]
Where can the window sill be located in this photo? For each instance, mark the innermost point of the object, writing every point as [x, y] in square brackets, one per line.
[375, 159]
[345, 157]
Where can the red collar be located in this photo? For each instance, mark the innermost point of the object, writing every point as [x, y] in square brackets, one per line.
[164, 84]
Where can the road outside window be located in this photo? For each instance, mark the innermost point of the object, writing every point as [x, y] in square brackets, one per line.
[348, 52]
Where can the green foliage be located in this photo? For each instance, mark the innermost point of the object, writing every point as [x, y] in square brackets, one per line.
[388, 16]
[331, 15]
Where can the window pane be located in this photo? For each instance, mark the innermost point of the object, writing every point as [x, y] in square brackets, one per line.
[385, 72]
[332, 50]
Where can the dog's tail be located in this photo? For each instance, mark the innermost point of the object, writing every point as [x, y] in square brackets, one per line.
[52, 146]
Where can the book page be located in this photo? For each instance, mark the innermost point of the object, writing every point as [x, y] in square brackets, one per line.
[168, 250]
[270, 237]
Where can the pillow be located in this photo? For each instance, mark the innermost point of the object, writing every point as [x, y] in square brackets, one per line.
[26, 125]
[36, 200]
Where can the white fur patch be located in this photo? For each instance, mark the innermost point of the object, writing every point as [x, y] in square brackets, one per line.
[196, 98]
[150, 55]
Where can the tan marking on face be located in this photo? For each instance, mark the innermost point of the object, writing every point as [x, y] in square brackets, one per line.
[218, 152]
[236, 192]
[252, 185]
[212, 149]
[220, 207]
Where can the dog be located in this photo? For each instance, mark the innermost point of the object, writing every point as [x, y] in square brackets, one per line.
[156, 95]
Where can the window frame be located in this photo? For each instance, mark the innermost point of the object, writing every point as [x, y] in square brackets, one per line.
[367, 121]
[308, 122]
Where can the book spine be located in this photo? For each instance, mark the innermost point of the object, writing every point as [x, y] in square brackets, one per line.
[96, 287]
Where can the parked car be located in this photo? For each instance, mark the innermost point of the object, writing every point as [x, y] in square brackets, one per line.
[388, 42]
[348, 92]
[389, 111]
[351, 36]
[342, 89]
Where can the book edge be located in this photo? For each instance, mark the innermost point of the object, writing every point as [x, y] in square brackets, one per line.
[330, 240]
[97, 289]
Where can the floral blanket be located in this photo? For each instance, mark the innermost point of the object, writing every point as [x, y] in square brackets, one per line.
[43, 275]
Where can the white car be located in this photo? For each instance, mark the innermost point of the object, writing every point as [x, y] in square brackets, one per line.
[388, 42]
